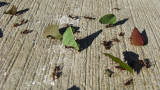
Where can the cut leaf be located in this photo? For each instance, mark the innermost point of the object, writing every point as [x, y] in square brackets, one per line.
[12, 11]
[108, 19]
[136, 38]
[68, 39]
[117, 60]
[52, 31]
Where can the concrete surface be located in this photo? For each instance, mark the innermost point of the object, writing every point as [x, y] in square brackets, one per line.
[27, 61]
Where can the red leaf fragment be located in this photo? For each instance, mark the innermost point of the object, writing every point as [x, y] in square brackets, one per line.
[136, 38]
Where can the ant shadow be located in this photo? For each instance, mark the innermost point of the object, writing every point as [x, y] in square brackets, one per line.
[74, 88]
[148, 63]
[145, 37]
[3, 3]
[120, 22]
[62, 30]
[1, 33]
[87, 41]
[22, 11]
[133, 60]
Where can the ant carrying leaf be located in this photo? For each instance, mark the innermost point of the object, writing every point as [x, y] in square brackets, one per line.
[107, 45]
[12, 11]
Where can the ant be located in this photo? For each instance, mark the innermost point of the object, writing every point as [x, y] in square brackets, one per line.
[121, 34]
[141, 63]
[109, 25]
[22, 22]
[107, 44]
[68, 47]
[116, 40]
[90, 18]
[109, 72]
[26, 31]
[73, 47]
[148, 63]
[129, 82]
[72, 17]
[16, 24]
[51, 37]
[55, 73]
[116, 9]
[73, 28]
[120, 67]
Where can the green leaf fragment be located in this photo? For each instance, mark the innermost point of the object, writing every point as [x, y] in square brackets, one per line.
[117, 60]
[68, 39]
[12, 11]
[108, 19]
[52, 31]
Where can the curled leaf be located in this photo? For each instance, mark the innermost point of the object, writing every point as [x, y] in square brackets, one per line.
[117, 60]
[68, 39]
[108, 19]
[12, 11]
[52, 31]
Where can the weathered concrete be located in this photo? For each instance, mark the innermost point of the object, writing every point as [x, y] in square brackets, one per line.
[28, 61]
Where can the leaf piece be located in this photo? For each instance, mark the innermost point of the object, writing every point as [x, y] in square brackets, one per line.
[108, 19]
[136, 38]
[117, 60]
[12, 11]
[52, 31]
[68, 38]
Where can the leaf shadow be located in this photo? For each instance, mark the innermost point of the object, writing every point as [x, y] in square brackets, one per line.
[1, 33]
[133, 60]
[145, 37]
[62, 30]
[120, 22]
[74, 88]
[3, 3]
[22, 11]
[87, 41]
